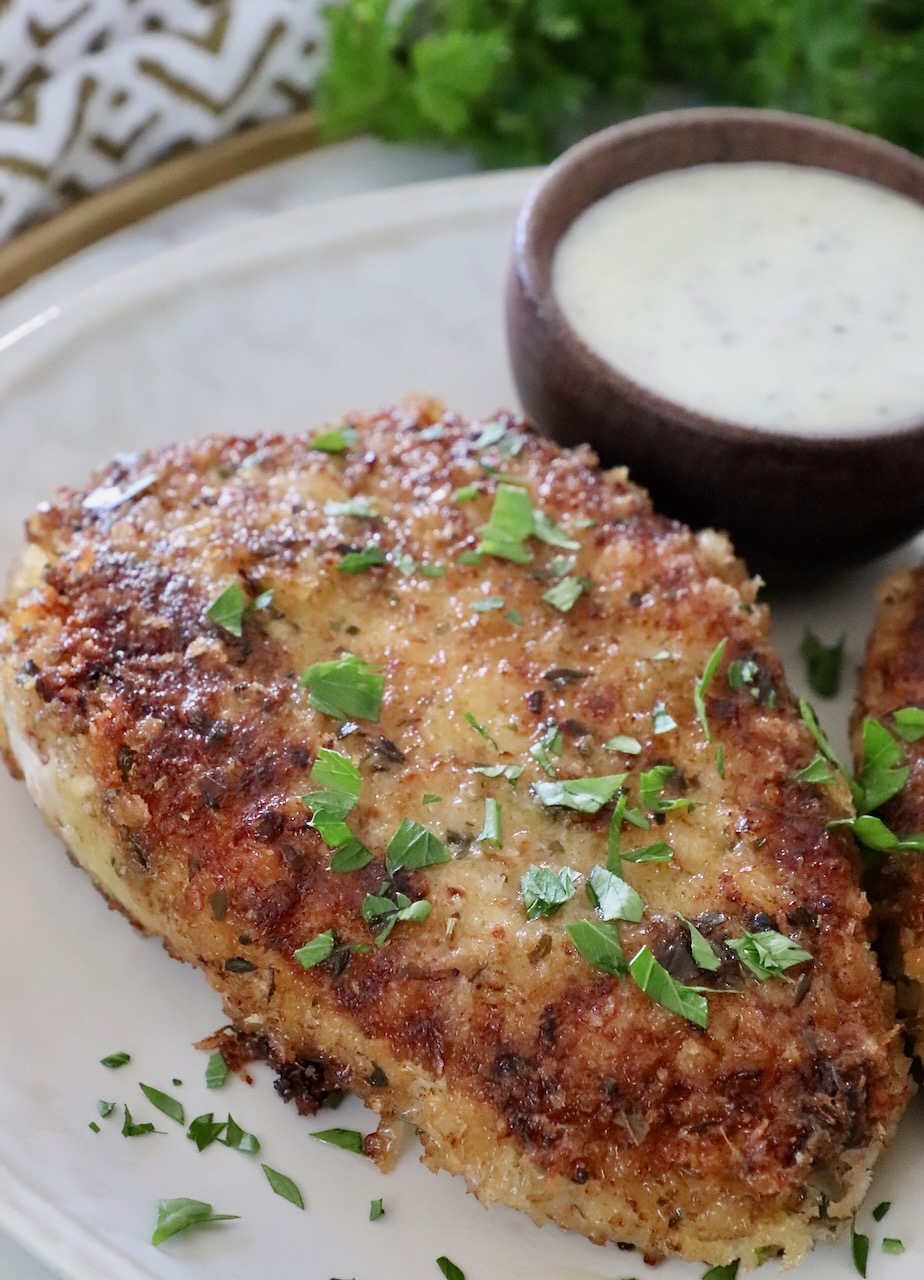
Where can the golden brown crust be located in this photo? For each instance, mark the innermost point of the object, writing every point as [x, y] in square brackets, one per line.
[550, 1085]
[893, 677]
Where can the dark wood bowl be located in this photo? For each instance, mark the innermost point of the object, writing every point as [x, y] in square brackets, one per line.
[787, 500]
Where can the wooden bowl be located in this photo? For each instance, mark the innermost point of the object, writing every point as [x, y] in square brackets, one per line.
[787, 500]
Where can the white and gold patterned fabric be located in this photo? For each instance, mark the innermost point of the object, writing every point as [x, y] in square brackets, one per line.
[93, 90]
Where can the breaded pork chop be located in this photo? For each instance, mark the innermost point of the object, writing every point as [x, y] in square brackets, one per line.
[892, 680]
[508, 681]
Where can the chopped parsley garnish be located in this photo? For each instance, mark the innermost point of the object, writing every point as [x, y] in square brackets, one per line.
[488, 604]
[822, 663]
[347, 1139]
[432, 570]
[163, 1102]
[891, 1244]
[239, 1139]
[727, 1272]
[376, 1210]
[859, 1248]
[434, 432]
[720, 761]
[430, 797]
[666, 991]
[283, 1186]
[337, 440]
[657, 852]
[613, 898]
[491, 831]
[909, 723]
[599, 944]
[651, 784]
[94, 1127]
[479, 728]
[114, 1060]
[514, 616]
[204, 1130]
[544, 890]
[818, 772]
[413, 846]
[216, 1070]
[550, 744]
[511, 522]
[360, 561]
[229, 609]
[346, 687]
[882, 1208]
[359, 508]
[381, 911]
[565, 594]
[873, 833]
[403, 562]
[467, 493]
[509, 771]
[470, 557]
[174, 1216]
[351, 856]
[884, 773]
[546, 530]
[767, 954]
[105, 1108]
[701, 688]
[810, 720]
[132, 1130]
[742, 672]
[317, 950]
[661, 720]
[587, 795]
[622, 742]
[703, 955]
[491, 433]
[336, 773]
[449, 1269]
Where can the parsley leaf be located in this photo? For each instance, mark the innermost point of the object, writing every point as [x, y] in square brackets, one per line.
[204, 1130]
[651, 784]
[550, 744]
[511, 522]
[727, 1272]
[823, 664]
[881, 1209]
[622, 742]
[132, 1130]
[544, 890]
[376, 1210]
[377, 910]
[491, 831]
[337, 440]
[317, 950]
[818, 771]
[216, 1070]
[479, 728]
[488, 604]
[509, 771]
[587, 795]
[449, 1269]
[701, 687]
[283, 1186]
[346, 1139]
[657, 852]
[114, 1060]
[360, 508]
[346, 687]
[163, 1102]
[613, 898]
[545, 528]
[703, 954]
[892, 1245]
[105, 1108]
[661, 720]
[174, 1216]
[360, 561]
[909, 723]
[767, 954]
[859, 1248]
[599, 944]
[229, 609]
[666, 991]
[565, 594]
[351, 856]
[883, 774]
[413, 846]
[873, 834]
[239, 1139]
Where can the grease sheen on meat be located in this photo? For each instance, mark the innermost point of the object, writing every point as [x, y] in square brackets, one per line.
[171, 757]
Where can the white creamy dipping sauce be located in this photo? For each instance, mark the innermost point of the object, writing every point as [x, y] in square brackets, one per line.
[775, 295]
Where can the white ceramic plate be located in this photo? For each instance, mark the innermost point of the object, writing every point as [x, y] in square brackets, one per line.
[280, 324]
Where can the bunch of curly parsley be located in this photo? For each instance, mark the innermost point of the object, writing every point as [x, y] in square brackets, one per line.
[515, 80]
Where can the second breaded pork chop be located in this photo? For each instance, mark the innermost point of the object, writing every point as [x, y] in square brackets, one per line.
[893, 681]
[457, 768]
